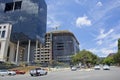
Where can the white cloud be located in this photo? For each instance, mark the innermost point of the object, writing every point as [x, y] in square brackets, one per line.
[103, 34]
[99, 42]
[81, 2]
[52, 22]
[99, 4]
[98, 14]
[107, 41]
[114, 44]
[83, 21]
[54, 13]
[107, 51]
[102, 52]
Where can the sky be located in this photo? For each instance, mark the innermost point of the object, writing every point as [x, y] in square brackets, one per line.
[95, 23]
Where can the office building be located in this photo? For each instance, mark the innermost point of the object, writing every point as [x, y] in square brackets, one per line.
[28, 20]
[59, 46]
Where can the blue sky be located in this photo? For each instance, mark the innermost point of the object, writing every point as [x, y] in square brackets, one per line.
[95, 23]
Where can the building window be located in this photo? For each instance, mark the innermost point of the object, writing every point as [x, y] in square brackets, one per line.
[9, 6]
[3, 34]
[0, 45]
[0, 32]
[4, 27]
[18, 5]
[13, 6]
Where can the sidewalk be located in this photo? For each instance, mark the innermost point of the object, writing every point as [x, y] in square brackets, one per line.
[63, 69]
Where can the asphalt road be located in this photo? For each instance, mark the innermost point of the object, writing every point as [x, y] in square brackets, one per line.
[113, 74]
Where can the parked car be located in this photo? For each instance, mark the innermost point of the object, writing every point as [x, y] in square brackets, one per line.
[97, 67]
[11, 72]
[38, 72]
[4, 72]
[106, 67]
[19, 72]
[73, 68]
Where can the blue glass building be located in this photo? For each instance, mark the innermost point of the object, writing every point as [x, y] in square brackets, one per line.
[64, 45]
[28, 19]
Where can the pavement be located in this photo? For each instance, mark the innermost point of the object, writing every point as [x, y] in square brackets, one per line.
[68, 69]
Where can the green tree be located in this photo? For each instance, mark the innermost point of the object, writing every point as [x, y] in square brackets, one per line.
[117, 58]
[118, 45]
[108, 60]
[85, 57]
[117, 55]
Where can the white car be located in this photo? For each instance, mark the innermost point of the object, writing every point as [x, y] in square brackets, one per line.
[73, 68]
[97, 67]
[106, 67]
[38, 72]
[11, 73]
[4, 72]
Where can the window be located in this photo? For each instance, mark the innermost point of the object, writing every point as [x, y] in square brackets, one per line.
[13, 6]
[0, 32]
[9, 6]
[4, 27]
[0, 45]
[3, 34]
[18, 5]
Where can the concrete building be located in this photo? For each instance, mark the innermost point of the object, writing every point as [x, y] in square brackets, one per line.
[28, 20]
[5, 32]
[59, 46]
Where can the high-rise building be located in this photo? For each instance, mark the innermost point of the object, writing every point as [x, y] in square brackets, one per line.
[59, 46]
[28, 20]
[64, 45]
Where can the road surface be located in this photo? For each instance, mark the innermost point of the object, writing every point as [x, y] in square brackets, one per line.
[113, 74]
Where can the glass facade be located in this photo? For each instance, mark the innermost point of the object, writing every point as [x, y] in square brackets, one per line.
[64, 45]
[28, 18]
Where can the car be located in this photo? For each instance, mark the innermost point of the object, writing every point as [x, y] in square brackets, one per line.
[73, 68]
[11, 73]
[82, 66]
[4, 72]
[97, 67]
[106, 67]
[19, 71]
[38, 72]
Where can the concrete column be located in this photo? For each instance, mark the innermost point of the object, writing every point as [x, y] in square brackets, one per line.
[12, 53]
[28, 57]
[40, 51]
[17, 52]
[36, 49]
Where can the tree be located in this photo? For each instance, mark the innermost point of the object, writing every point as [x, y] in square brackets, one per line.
[117, 58]
[108, 60]
[85, 57]
[118, 45]
[117, 55]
